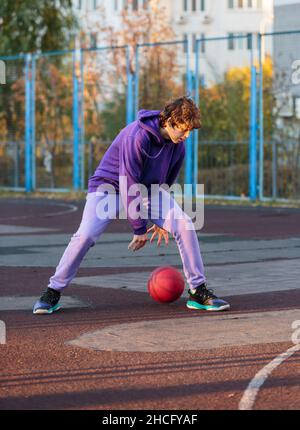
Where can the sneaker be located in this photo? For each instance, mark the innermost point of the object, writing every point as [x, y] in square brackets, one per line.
[48, 302]
[204, 299]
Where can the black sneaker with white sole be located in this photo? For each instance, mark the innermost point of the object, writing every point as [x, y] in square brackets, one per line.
[48, 303]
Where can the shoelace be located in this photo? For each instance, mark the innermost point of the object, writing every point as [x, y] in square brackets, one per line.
[206, 293]
[210, 294]
[50, 296]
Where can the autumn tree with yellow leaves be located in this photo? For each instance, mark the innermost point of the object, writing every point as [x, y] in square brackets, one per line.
[224, 151]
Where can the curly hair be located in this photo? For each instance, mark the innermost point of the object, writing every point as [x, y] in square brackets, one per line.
[181, 111]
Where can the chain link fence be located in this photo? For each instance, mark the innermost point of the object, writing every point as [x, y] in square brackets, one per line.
[59, 112]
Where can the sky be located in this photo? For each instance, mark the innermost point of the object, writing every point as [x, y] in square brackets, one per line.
[285, 2]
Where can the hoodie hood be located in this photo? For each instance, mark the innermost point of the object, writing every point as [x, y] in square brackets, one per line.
[148, 120]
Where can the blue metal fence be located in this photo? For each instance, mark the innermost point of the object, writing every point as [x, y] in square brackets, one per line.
[225, 149]
[12, 123]
[279, 117]
[73, 103]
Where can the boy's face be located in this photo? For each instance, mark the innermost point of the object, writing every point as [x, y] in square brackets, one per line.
[178, 133]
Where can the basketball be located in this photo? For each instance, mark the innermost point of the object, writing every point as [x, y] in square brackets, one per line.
[165, 284]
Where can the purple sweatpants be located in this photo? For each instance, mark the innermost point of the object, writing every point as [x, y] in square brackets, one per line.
[167, 214]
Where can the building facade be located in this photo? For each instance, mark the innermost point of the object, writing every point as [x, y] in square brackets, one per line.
[286, 48]
[239, 21]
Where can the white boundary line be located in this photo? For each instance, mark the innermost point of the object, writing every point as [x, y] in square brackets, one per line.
[249, 396]
[71, 208]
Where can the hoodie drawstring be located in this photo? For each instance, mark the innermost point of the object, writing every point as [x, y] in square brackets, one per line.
[153, 157]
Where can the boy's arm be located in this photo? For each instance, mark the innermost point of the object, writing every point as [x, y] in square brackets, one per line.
[131, 166]
[172, 176]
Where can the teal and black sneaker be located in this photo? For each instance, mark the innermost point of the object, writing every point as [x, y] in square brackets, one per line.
[203, 299]
[48, 302]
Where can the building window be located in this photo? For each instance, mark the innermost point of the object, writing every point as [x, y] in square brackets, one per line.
[93, 40]
[185, 45]
[95, 4]
[297, 107]
[116, 6]
[240, 41]
[202, 5]
[202, 81]
[194, 6]
[231, 41]
[125, 4]
[202, 43]
[185, 5]
[79, 4]
[194, 38]
[249, 41]
[240, 4]
[135, 4]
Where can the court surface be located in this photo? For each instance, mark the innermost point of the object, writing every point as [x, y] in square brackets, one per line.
[112, 347]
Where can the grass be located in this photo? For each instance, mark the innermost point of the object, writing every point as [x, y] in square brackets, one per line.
[80, 195]
[256, 203]
[65, 196]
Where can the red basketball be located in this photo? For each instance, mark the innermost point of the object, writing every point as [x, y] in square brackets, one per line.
[165, 284]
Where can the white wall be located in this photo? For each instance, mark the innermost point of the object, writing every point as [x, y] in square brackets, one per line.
[285, 2]
[220, 22]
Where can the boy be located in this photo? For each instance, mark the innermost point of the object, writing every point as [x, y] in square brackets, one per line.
[148, 151]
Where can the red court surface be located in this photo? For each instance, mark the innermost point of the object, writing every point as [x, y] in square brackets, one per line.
[40, 369]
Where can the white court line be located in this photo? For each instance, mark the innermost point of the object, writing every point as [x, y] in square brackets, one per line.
[252, 390]
[71, 208]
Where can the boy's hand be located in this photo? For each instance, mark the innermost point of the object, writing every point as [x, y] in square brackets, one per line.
[161, 234]
[138, 242]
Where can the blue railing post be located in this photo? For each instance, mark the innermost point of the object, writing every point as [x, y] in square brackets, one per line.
[28, 124]
[32, 115]
[197, 101]
[76, 167]
[129, 93]
[81, 126]
[261, 121]
[253, 137]
[188, 177]
[136, 81]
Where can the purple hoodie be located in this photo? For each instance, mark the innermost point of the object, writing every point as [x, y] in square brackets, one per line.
[140, 153]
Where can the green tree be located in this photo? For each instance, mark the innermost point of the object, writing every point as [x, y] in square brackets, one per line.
[27, 26]
[160, 76]
[35, 26]
[223, 141]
